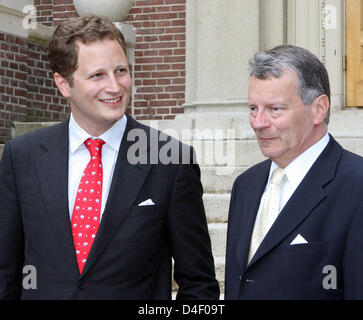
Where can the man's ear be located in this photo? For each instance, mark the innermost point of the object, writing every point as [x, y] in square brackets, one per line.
[62, 84]
[321, 107]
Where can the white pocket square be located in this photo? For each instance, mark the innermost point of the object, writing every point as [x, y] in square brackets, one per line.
[147, 202]
[299, 239]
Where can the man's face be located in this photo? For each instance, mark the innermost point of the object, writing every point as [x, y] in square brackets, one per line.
[283, 125]
[101, 86]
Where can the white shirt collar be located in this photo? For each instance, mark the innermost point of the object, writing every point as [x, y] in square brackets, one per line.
[112, 136]
[297, 169]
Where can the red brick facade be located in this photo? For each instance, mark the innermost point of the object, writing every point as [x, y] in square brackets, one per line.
[159, 58]
[51, 12]
[27, 91]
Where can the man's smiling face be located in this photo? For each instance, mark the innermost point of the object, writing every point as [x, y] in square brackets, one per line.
[101, 88]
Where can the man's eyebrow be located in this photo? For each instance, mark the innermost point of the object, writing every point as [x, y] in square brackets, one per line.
[101, 69]
[90, 73]
[122, 65]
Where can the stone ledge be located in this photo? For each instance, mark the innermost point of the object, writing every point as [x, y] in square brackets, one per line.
[11, 17]
[20, 128]
[41, 34]
[219, 180]
[343, 124]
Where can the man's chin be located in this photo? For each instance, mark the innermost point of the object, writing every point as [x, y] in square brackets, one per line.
[114, 116]
[268, 153]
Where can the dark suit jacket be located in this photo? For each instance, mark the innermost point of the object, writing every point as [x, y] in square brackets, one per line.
[131, 257]
[326, 209]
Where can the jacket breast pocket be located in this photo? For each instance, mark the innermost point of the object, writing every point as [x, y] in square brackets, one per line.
[147, 211]
[300, 269]
[313, 248]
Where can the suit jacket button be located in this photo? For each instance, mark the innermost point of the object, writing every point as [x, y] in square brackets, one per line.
[82, 285]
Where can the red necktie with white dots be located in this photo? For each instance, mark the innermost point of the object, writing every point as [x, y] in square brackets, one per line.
[87, 206]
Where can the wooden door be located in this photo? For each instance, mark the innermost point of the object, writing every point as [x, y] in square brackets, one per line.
[354, 53]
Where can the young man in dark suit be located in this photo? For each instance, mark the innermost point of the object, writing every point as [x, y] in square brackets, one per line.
[78, 206]
[295, 220]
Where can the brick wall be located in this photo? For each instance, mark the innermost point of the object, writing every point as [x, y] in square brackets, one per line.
[159, 58]
[45, 103]
[13, 85]
[52, 12]
[27, 89]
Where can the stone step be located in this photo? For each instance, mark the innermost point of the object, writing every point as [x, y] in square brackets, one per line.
[239, 148]
[219, 264]
[220, 179]
[227, 153]
[352, 144]
[343, 123]
[218, 236]
[241, 155]
[245, 153]
[216, 207]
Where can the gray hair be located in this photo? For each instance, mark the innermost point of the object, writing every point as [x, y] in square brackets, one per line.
[312, 76]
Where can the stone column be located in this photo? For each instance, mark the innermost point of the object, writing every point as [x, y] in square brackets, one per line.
[221, 37]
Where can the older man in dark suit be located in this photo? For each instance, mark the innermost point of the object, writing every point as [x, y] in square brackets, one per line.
[295, 220]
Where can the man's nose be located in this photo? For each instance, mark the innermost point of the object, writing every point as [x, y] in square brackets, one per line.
[260, 120]
[112, 86]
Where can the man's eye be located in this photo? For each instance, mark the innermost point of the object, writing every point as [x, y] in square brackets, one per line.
[276, 109]
[96, 75]
[121, 70]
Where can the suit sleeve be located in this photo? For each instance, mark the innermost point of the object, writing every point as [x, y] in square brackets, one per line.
[11, 231]
[188, 234]
[353, 259]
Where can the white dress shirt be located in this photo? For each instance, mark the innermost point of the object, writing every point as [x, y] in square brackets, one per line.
[79, 157]
[296, 171]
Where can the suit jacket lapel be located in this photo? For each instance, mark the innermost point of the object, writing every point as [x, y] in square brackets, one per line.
[306, 197]
[52, 167]
[126, 183]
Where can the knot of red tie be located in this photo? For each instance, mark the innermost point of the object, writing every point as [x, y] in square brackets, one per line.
[94, 146]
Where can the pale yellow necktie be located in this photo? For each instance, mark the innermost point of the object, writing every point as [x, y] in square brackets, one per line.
[269, 211]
